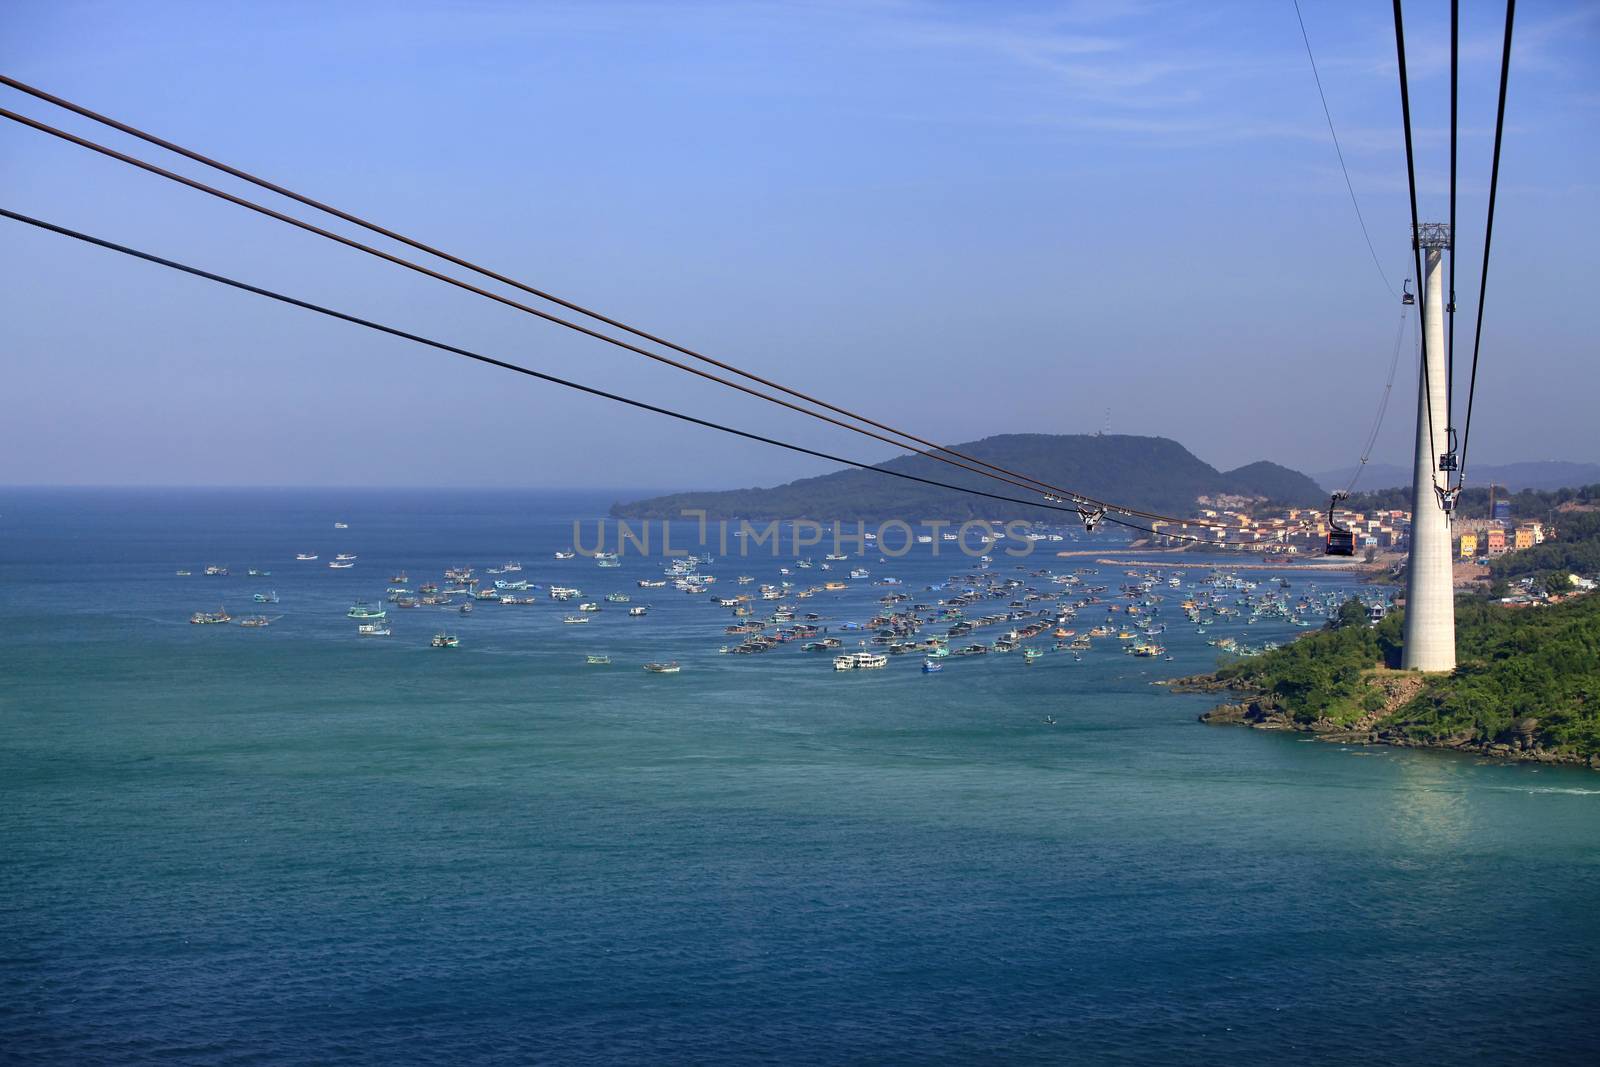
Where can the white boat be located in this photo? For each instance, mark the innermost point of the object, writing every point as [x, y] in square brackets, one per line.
[670, 667]
[860, 661]
[306, 556]
[373, 629]
[576, 620]
[637, 612]
[344, 556]
[341, 526]
[565, 555]
[339, 565]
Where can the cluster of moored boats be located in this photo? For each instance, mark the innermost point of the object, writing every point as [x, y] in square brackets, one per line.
[1033, 614]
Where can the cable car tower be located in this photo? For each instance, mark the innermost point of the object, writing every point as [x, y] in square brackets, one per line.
[1430, 627]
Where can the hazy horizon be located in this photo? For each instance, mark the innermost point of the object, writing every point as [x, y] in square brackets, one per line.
[960, 219]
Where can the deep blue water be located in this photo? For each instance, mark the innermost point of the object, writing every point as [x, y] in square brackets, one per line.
[291, 845]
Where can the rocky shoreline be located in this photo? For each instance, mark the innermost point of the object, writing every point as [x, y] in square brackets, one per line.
[1251, 711]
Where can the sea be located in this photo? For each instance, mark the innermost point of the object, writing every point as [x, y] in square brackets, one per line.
[294, 845]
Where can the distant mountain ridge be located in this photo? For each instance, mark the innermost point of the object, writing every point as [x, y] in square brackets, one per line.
[1150, 473]
[1540, 474]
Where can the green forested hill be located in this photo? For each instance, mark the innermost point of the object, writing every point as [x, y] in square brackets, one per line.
[1152, 473]
[1528, 682]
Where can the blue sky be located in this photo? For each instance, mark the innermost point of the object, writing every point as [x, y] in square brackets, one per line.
[963, 218]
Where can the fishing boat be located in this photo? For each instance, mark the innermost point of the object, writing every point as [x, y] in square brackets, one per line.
[340, 566]
[265, 598]
[373, 629]
[576, 620]
[465, 609]
[617, 598]
[510, 567]
[565, 555]
[589, 606]
[210, 618]
[860, 572]
[362, 610]
[257, 573]
[637, 611]
[305, 556]
[217, 571]
[445, 640]
[931, 666]
[344, 556]
[1031, 654]
[670, 667]
[652, 583]
[184, 574]
[598, 661]
[400, 578]
[255, 622]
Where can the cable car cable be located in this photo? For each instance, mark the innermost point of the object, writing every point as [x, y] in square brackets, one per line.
[1416, 229]
[1339, 151]
[405, 335]
[1450, 304]
[556, 319]
[1488, 228]
[486, 272]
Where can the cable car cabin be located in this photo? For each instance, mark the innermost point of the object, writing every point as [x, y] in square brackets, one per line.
[1406, 296]
[1341, 543]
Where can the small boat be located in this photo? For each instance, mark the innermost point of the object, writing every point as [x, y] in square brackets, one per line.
[184, 574]
[338, 566]
[210, 618]
[576, 620]
[305, 556]
[598, 661]
[670, 667]
[373, 629]
[344, 556]
[589, 607]
[445, 640]
[1048, 720]
[362, 610]
[931, 666]
[341, 526]
[265, 598]
[217, 571]
[256, 573]
[255, 622]
[637, 612]
[565, 555]
[617, 598]
[465, 609]
[1031, 654]
[400, 579]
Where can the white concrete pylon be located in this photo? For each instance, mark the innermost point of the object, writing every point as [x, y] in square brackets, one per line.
[1430, 626]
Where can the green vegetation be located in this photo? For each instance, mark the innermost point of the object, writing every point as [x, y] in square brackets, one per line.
[1527, 676]
[1537, 504]
[1152, 473]
[1321, 676]
[1532, 672]
[1575, 549]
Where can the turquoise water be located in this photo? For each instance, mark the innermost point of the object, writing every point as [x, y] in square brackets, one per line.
[292, 845]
